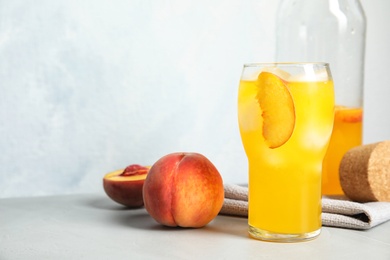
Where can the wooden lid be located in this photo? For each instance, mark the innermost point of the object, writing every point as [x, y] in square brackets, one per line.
[365, 172]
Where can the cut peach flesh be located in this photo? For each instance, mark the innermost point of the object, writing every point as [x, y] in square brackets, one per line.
[115, 176]
[348, 115]
[277, 108]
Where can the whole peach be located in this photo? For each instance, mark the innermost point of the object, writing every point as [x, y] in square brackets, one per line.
[125, 186]
[183, 189]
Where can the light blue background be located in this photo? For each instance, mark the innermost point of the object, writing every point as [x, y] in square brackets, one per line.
[88, 87]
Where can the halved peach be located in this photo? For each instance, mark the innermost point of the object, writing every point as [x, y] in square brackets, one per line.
[278, 110]
[125, 186]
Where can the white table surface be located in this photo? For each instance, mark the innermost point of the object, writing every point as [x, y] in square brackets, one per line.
[91, 226]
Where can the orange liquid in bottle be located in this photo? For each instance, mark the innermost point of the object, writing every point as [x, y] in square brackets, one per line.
[347, 133]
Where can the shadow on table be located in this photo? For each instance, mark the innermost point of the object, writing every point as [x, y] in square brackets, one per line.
[226, 225]
[130, 217]
[140, 219]
[236, 226]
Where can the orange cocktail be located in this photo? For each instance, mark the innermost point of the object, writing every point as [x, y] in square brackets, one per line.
[347, 133]
[285, 124]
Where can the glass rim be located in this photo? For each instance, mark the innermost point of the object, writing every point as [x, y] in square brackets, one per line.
[263, 64]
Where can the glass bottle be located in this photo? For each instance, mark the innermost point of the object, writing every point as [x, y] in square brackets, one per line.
[331, 31]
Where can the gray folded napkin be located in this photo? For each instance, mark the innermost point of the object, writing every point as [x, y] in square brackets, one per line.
[336, 211]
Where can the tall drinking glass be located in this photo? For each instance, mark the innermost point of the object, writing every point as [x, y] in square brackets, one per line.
[285, 114]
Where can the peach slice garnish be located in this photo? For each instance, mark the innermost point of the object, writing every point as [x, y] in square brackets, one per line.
[348, 115]
[278, 110]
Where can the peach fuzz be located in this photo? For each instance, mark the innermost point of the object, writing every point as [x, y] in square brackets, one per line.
[183, 189]
[125, 186]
